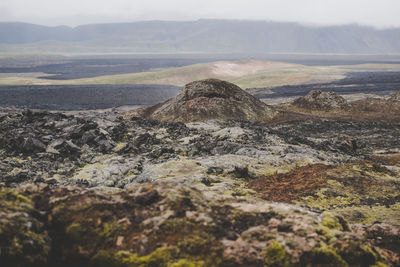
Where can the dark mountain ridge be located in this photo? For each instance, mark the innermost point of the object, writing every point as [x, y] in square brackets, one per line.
[242, 36]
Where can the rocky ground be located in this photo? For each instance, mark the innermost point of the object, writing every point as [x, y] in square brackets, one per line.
[98, 189]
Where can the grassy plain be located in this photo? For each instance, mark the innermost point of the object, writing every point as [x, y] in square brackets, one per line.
[245, 73]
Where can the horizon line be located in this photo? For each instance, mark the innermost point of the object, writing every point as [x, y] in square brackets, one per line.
[304, 24]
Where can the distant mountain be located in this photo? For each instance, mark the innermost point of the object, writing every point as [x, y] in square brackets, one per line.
[215, 36]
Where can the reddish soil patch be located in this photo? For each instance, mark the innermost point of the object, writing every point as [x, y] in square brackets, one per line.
[292, 185]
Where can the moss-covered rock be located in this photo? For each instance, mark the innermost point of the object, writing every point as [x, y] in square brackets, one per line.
[23, 239]
[183, 228]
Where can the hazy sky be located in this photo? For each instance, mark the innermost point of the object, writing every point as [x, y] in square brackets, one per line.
[379, 13]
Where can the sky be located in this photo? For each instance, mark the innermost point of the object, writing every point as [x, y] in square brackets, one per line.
[377, 13]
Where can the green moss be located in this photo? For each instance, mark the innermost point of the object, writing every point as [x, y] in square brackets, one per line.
[75, 231]
[196, 244]
[334, 222]
[319, 200]
[159, 257]
[177, 225]
[379, 264]
[357, 253]
[105, 258]
[23, 241]
[86, 233]
[367, 214]
[324, 256]
[111, 230]
[325, 232]
[275, 255]
[361, 192]
[11, 200]
[187, 263]
[241, 192]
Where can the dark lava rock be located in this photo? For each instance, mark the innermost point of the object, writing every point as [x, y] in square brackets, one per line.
[209, 99]
[33, 145]
[63, 147]
[215, 170]
[319, 100]
[241, 172]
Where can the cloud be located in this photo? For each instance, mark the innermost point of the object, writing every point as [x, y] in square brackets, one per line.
[378, 13]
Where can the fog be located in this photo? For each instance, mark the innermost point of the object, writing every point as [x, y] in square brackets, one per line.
[377, 13]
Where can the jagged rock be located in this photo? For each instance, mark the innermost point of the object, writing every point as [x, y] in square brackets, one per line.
[63, 147]
[32, 145]
[209, 99]
[319, 100]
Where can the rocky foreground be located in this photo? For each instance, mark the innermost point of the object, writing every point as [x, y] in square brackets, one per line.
[99, 189]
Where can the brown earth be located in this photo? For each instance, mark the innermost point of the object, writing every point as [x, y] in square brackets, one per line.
[307, 180]
[361, 192]
[291, 186]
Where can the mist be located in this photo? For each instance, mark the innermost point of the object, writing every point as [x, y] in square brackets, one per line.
[377, 13]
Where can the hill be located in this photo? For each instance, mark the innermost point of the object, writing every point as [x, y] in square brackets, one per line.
[212, 36]
[210, 99]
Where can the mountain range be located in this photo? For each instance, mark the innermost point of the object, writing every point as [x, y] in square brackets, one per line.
[208, 36]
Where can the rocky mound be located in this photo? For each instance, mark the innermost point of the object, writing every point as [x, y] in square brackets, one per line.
[319, 100]
[209, 99]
